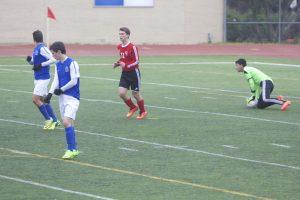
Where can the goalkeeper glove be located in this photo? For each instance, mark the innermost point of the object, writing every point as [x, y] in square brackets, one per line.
[58, 91]
[250, 99]
[47, 98]
[28, 59]
[37, 67]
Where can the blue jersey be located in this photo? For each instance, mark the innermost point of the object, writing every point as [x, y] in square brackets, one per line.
[64, 76]
[43, 73]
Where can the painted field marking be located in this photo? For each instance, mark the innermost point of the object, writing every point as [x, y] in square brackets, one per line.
[281, 145]
[12, 101]
[208, 98]
[53, 187]
[171, 98]
[153, 118]
[157, 178]
[179, 110]
[127, 149]
[167, 146]
[164, 84]
[230, 146]
[13, 156]
[211, 93]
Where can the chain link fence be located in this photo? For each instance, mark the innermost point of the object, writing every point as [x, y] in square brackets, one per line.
[262, 21]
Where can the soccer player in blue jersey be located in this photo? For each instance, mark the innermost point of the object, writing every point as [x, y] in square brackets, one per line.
[41, 60]
[66, 85]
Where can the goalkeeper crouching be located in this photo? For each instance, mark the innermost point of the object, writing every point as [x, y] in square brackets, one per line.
[261, 86]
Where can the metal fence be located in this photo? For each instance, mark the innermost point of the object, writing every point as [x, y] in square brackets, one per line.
[262, 21]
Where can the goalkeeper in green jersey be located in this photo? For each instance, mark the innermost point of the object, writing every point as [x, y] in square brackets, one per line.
[261, 86]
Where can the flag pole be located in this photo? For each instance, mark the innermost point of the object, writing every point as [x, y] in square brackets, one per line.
[47, 31]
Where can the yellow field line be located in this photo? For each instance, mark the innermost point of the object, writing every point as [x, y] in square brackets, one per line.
[13, 156]
[174, 181]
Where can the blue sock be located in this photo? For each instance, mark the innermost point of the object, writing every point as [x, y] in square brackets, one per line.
[50, 112]
[44, 112]
[71, 139]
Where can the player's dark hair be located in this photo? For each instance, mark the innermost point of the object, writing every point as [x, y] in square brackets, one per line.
[58, 46]
[37, 36]
[241, 61]
[126, 30]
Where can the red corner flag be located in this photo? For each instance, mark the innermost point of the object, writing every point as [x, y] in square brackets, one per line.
[51, 14]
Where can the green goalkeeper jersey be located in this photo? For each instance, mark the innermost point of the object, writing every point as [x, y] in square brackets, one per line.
[254, 78]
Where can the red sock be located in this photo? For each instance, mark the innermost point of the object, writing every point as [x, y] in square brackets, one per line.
[141, 105]
[130, 104]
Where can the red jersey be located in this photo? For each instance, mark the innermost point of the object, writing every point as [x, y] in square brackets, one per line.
[129, 55]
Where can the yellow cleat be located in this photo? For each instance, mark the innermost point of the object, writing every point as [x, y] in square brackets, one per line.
[49, 125]
[70, 154]
[57, 123]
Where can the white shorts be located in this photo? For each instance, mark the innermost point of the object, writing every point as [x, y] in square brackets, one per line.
[68, 106]
[41, 87]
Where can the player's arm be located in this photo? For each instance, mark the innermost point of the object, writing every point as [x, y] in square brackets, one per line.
[55, 83]
[29, 59]
[116, 64]
[252, 86]
[54, 86]
[74, 73]
[46, 53]
[250, 82]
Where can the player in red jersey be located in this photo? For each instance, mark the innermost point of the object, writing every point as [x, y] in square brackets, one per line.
[130, 77]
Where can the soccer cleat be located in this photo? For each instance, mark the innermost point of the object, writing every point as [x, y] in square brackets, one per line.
[285, 105]
[70, 154]
[142, 115]
[49, 125]
[280, 98]
[131, 112]
[57, 123]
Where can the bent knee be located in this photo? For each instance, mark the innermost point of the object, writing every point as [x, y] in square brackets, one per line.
[67, 123]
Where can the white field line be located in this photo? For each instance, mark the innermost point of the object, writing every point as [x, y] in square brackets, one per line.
[171, 98]
[158, 84]
[54, 188]
[179, 148]
[127, 149]
[180, 110]
[181, 63]
[281, 145]
[230, 146]
[208, 98]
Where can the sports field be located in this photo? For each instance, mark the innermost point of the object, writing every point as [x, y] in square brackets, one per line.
[199, 141]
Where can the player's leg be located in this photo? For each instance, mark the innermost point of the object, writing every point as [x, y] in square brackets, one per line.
[265, 100]
[136, 86]
[123, 88]
[69, 107]
[52, 114]
[140, 101]
[40, 89]
[50, 111]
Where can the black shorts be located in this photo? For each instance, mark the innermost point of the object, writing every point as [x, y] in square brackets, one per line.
[131, 79]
